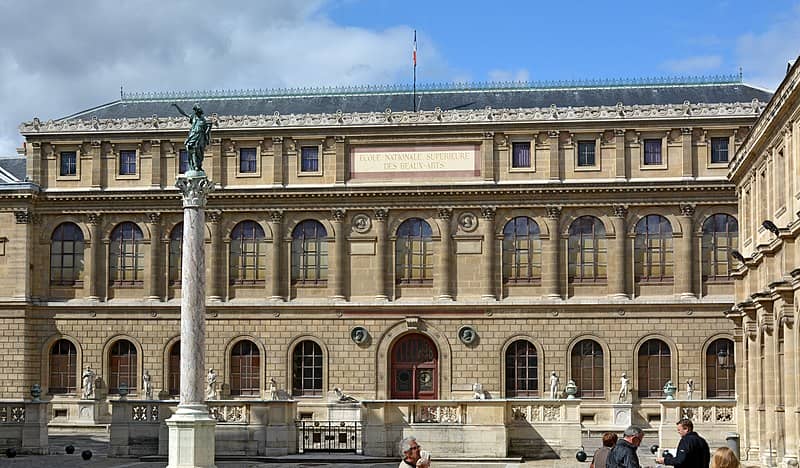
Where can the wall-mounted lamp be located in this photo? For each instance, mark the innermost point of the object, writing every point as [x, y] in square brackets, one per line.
[738, 256]
[724, 359]
[771, 227]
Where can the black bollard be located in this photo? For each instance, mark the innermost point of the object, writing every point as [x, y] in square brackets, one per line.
[581, 456]
[86, 454]
[69, 449]
[11, 452]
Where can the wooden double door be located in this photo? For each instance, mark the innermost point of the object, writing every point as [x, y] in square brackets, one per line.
[414, 368]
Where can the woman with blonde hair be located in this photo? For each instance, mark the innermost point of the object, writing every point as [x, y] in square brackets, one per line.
[724, 457]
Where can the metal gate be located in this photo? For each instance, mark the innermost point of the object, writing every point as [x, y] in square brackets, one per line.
[329, 436]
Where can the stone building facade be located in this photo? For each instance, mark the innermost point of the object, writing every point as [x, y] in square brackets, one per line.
[765, 171]
[495, 236]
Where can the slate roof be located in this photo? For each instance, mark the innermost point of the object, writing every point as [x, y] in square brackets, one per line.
[14, 165]
[726, 89]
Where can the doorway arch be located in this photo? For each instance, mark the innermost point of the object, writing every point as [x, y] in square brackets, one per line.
[414, 368]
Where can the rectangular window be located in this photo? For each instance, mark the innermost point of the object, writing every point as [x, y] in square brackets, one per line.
[719, 150]
[309, 159]
[183, 161]
[69, 163]
[586, 154]
[127, 162]
[652, 152]
[520, 154]
[247, 160]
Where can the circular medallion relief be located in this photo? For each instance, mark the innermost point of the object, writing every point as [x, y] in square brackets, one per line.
[361, 223]
[467, 334]
[467, 221]
[359, 335]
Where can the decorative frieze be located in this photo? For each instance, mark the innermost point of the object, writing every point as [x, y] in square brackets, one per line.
[537, 413]
[438, 414]
[228, 414]
[144, 413]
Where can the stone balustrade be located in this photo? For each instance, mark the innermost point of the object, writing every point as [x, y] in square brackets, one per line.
[244, 427]
[23, 426]
[474, 428]
[712, 419]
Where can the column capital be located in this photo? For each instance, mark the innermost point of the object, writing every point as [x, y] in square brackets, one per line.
[687, 209]
[214, 216]
[23, 216]
[93, 218]
[553, 133]
[686, 131]
[277, 140]
[339, 138]
[619, 132]
[444, 214]
[195, 190]
[620, 211]
[488, 212]
[276, 216]
[381, 214]
[154, 218]
[553, 212]
[338, 214]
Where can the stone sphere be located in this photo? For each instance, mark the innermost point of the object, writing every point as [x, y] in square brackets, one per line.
[580, 456]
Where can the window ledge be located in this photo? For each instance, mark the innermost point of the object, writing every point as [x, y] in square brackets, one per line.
[311, 284]
[126, 284]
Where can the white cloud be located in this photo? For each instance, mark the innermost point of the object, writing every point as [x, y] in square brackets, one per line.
[695, 64]
[509, 75]
[763, 55]
[77, 58]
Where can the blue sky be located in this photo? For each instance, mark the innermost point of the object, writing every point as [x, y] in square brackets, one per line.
[57, 59]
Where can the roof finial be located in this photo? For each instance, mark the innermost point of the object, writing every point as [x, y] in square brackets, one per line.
[740, 73]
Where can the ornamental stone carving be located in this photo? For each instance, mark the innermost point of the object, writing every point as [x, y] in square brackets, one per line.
[620, 211]
[338, 215]
[488, 213]
[687, 210]
[553, 212]
[445, 213]
[23, 216]
[467, 334]
[195, 191]
[276, 216]
[467, 221]
[361, 223]
[381, 214]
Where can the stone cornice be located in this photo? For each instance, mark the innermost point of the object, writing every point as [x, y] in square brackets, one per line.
[783, 97]
[436, 117]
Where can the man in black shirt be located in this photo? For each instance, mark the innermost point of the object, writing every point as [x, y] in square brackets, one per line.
[693, 451]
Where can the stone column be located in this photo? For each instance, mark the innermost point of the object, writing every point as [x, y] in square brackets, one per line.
[154, 277]
[769, 334]
[339, 255]
[753, 391]
[444, 268]
[551, 278]
[218, 265]
[381, 252]
[191, 430]
[617, 259]
[489, 255]
[790, 456]
[684, 259]
[275, 224]
[687, 157]
[94, 273]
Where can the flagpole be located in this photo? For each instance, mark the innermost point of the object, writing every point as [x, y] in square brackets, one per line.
[414, 104]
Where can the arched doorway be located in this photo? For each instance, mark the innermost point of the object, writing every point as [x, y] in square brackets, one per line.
[414, 368]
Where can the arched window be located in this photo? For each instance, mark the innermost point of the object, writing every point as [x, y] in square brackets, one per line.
[175, 254]
[126, 256]
[245, 369]
[720, 370]
[587, 250]
[248, 247]
[653, 254]
[66, 255]
[307, 369]
[587, 369]
[63, 368]
[720, 237]
[522, 370]
[309, 253]
[174, 372]
[522, 251]
[413, 253]
[122, 367]
[655, 368]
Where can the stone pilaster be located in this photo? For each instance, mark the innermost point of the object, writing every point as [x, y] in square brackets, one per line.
[97, 165]
[489, 253]
[444, 268]
[154, 289]
[339, 255]
[381, 253]
[341, 159]
[620, 162]
[770, 386]
[753, 390]
[791, 443]
[554, 171]
[487, 156]
[684, 260]
[94, 272]
[217, 270]
[276, 225]
[277, 161]
[686, 157]
[191, 430]
[550, 254]
[617, 274]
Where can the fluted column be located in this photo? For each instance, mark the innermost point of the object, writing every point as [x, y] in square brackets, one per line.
[551, 279]
[381, 253]
[616, 255]
[154, 277]
[94, 273]
[218, 265]
[684, 258]
[276, 225]
[339, 255]
[444, 270]
[489, 255]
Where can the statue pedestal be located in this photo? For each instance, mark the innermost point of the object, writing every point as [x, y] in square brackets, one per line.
[191, 437]
[622, 414]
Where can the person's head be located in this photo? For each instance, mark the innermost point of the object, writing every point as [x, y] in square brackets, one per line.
[724, 457]
[685, 426]
[197, 109]
[634, 435]
[609, 439]
[409, 449]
